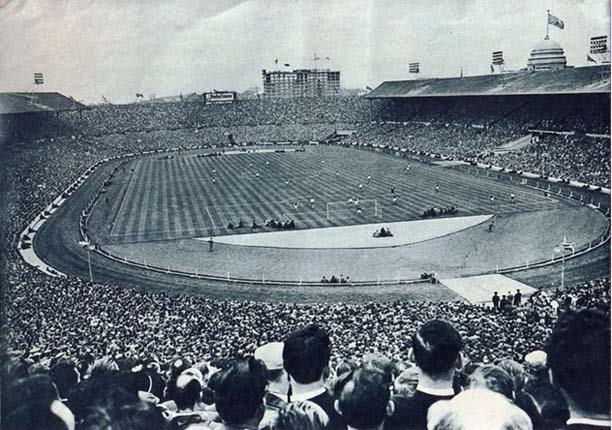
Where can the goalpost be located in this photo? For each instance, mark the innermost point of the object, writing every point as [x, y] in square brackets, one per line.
[349, 209]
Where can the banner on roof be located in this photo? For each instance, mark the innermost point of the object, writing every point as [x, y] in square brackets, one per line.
[414, 67]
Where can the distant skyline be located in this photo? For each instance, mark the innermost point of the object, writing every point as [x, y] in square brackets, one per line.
[117, 48]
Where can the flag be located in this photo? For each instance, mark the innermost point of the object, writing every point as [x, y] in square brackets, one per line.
[276, 61]
[287, 65]
[139, 95]
[492, 69]
[553, 20]
[591, 59]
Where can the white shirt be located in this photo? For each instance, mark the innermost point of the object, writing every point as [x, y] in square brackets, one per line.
[439, 392]
[307, 395]
[589, 422]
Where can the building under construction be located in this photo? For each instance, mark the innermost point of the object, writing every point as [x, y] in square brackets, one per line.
[301, 83]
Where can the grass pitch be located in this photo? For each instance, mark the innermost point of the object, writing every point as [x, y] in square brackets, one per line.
[188, 196]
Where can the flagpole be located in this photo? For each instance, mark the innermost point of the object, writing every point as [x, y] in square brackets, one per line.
[547, 22]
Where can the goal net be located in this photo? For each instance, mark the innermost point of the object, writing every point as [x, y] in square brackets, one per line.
[350, 209]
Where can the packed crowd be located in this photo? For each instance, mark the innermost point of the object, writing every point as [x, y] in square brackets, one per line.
[581, 158]
[291, 381]
[569, 157]
[470, 130]
[47, 317]
[147, 117]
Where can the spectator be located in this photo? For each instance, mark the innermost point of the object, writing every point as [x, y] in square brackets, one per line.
[477, 409]
[188, 394]
[363, 398]
[380, 362]
[516, 301]
[117, 409]
[239, 394]
[495, 300]
[544, 404]
[436, 347]
[306, 358]
[406, 383]
[271, 354]
[493, 378]
[301, 415]
[33, 403]
[65, 375]
[578, 354]
[516, 373]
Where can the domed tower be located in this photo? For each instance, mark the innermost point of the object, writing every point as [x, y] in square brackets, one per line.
[546, 55]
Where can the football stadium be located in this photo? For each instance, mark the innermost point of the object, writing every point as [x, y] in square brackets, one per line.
[308, 259]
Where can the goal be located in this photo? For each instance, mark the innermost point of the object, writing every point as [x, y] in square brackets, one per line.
[349, 209]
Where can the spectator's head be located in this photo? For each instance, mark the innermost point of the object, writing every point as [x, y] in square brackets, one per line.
[14, 368]
[344, 366]
[104, 364]
[579, 360]
[33, 403]
[380, 362]
[544, 404]
[406, 382]
[272, 356]
[515, 371]
[188, 389]
[477, 409]
[493, 378]
[178, 365]
[301, 415]
[117, 409]
[306, 354]
[85, 363]
[239, 392]
[64, 374]
[535, 365]
[436, 347]
[363, 398]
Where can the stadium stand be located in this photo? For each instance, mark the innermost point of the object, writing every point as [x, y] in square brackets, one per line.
[177, 361]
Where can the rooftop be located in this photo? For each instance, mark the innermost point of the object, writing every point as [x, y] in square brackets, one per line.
[594, 79]
[11, 103]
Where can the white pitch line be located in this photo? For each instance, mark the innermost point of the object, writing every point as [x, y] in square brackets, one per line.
[210, 216]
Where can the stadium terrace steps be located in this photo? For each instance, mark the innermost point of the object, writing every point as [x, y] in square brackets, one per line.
[514, 145]
[480, 289]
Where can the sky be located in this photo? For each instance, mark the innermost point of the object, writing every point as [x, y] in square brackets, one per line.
[88, 49]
